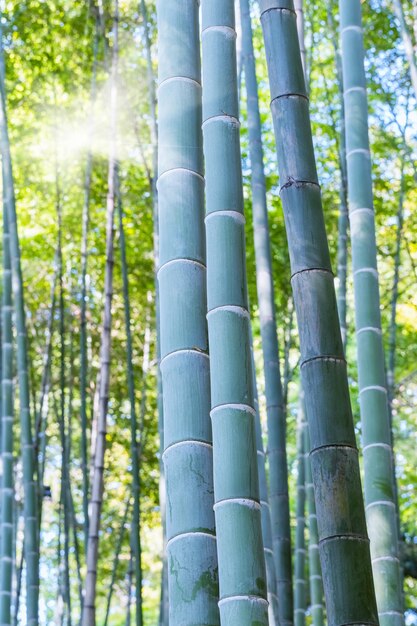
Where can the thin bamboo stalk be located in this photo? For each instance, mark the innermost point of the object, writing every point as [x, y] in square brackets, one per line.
[31, 542]
[315, 577]
[300, 550]
[89, 612]
[273, 608]
[118, 550]
[410, 52]
[7, 414]
[135, 452]
[343, 222]
[84, 263]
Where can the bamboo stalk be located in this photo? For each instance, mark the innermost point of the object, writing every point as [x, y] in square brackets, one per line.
[300, 551]
[7, 415]
[135, 452]
[187, 457]
[315, 577]
[31, 542]
[334, 456]
[89, 612]
[279, 502]
[377, 445]
[242, 574]
[84, 263]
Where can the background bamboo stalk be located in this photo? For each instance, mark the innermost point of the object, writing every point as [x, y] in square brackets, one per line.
[135, 451]
[377, 445]
[89, 609]
[314, 567]
[7, 415]
[300, 545]
[31, 543]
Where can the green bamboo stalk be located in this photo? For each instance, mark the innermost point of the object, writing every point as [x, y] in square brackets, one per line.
[315, 577]
[299, 11]
[19, 576]
[26, 436]
[7, 413]
[273, 607]
[300, 551]
[343, 222]
[377, 447]
[334, 458]
[242, 575]
[118, 550]
[188, 461]
[392, 333]
[61, 415]
[410, 52]
[392, 349]
[135, 455]
[280, 513]
[163, 618]
[89, 613]
[73, 522]
[42, 411]
[129, 590]
[84, 262]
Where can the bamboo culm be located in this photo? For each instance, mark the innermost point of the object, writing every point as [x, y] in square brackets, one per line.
[188, 453]
[163, 618]
[89, 612]
[7, 413]
[84, 263]
[273, 608]
[31, 540]
[314, 567]
[279, 501]
[377, 446]
[334, 456]
[410, 52]
[61, 411]
[343, 222]
[242, 574]
[117, 552]
[135, 454]
[300, 551]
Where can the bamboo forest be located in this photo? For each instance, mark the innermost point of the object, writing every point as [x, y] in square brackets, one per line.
[208, 339]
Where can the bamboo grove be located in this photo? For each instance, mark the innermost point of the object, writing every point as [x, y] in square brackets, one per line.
[208, 313]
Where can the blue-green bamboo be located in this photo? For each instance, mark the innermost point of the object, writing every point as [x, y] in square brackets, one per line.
[188, 454]
[278, 471]
[135, 453]
[242, 574]
[300, 549]
[409, 48]
[377, 447]
[7, 412]
[97, 484]
[31, 541]
[84, 263]
[344, 544]
[273, 608]
[343, 222]
[314, 567]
